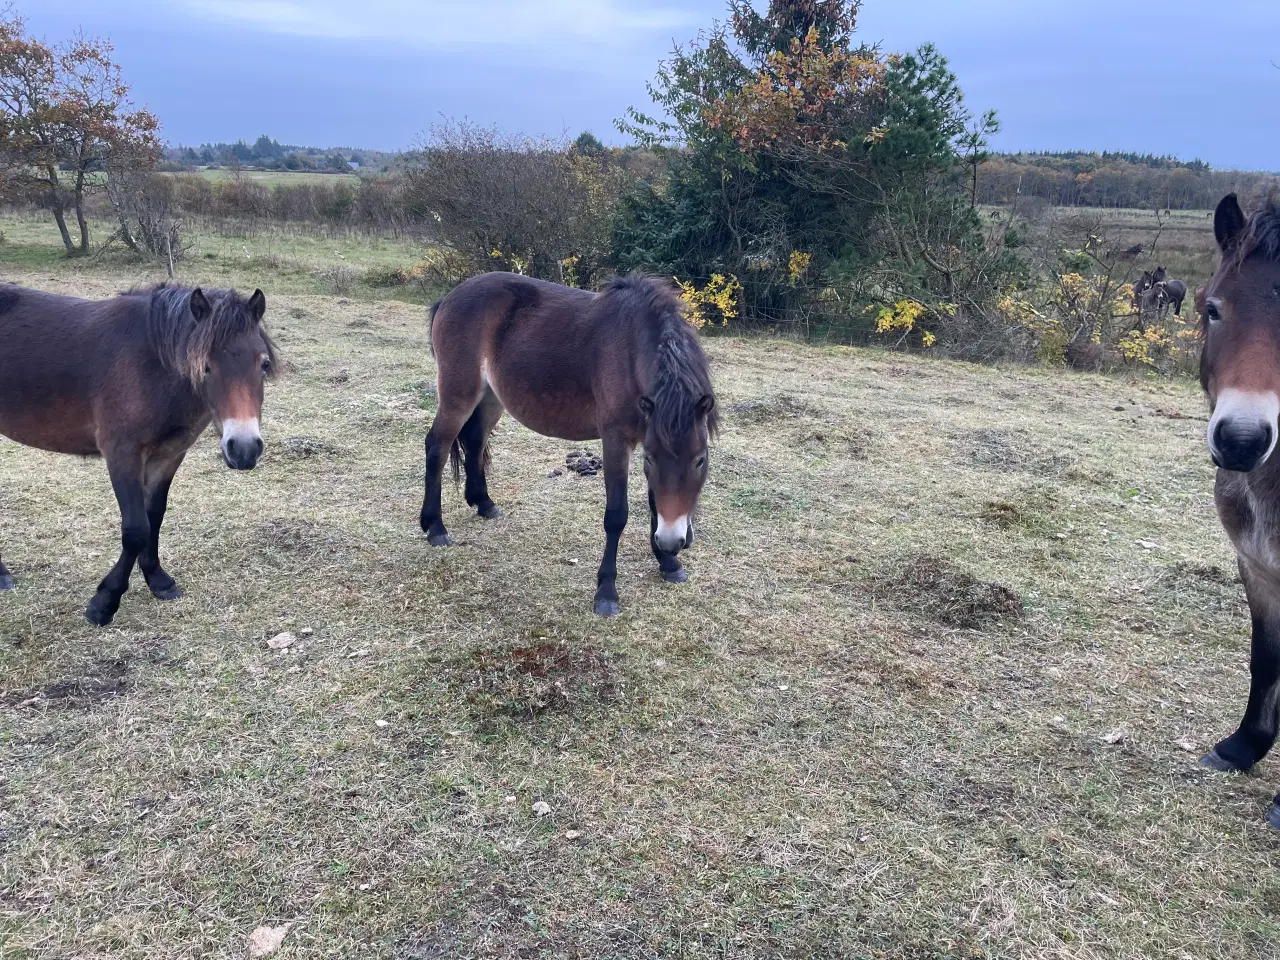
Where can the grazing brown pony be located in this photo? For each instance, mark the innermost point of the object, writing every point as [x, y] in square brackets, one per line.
[622, 365]
[1240, 372]
[135, 380]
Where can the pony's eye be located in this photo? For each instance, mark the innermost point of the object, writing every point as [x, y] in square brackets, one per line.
[1211, 311]
[700, 463]
[266, 366]
[208, 369]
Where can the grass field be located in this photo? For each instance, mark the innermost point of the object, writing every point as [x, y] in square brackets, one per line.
[953, 641]
[276, 178]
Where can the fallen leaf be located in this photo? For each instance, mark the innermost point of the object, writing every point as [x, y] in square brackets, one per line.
[1187, 744]
[572, 834]
[542, 809]
[265, 941]
[282, 641]
[1115, 736]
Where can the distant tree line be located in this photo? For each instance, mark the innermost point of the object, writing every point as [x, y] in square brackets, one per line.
[1112, 180]
[266, 153]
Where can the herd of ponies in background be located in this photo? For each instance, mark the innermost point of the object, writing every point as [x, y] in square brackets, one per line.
[136, 379]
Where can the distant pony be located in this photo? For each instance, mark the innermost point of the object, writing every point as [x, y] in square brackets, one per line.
[1154, 292]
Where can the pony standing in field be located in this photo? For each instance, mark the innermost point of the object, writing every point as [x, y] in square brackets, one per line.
[1240, 372]
[1156, 292]
[623, 366]
[135, 380]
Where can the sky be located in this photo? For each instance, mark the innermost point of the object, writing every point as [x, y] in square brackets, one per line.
[1181, 77]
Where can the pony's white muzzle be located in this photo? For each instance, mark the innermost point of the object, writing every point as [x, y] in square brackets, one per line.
[670, 537]
[1243, 429]
[241, 443]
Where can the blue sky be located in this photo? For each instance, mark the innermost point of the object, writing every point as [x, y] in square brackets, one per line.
[1185, 77]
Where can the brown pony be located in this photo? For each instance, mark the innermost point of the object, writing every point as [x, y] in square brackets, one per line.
[1240, 373]
[135, 380]
[622, 365]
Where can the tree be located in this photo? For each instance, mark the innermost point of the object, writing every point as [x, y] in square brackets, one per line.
[824, 175]
[64, 112]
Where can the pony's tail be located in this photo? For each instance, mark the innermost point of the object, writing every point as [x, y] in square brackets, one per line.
[431, 322]
[455, 461]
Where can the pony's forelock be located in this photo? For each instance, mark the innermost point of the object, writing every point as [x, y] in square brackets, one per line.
[185, 345]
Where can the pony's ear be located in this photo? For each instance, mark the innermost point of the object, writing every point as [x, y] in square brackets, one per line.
[199, 305]
[646, 406]
[706, 405]
[257, 306]
[1228, 223]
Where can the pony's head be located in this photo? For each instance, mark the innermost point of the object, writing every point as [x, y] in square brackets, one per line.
[1240, 315]
[228, 357]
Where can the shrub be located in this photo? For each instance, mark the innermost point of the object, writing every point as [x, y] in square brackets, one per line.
[515, 203]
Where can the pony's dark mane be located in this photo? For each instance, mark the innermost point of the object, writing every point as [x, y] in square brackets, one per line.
[1261, 237]
[681, 375]
[183, 346]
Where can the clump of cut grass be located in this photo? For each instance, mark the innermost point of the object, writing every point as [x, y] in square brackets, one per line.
[525, 682]
[297, 449]
[949, 595]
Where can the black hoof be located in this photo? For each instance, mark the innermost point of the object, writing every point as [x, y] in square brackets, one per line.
[1273, 815]
[6, 582]
[607, 608]
[440, 540]
[490, 512]
[171, 592]
[100, 615]
[1216, 761]
[676, 576]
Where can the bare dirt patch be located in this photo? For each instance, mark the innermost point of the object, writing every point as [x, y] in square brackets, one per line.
[104, 680]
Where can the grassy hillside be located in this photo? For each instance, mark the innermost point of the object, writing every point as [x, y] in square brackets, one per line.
[953, 640]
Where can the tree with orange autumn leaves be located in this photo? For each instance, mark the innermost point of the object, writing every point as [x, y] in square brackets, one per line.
[65, 115]
[789, 139]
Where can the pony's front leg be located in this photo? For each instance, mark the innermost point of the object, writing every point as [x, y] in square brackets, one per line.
[135, 534]
[617, 453]
[1257, 732]
[668, 563]
[159, 479]
[6, 579]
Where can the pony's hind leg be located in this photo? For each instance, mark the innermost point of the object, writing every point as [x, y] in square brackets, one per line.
[474, 439]
[6, 578]
[442, 444]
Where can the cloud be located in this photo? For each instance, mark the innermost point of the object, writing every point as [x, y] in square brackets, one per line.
[452, 23]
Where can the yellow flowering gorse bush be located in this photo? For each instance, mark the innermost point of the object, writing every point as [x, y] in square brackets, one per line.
[720, 295]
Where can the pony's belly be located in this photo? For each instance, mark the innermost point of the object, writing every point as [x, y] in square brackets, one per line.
[556, 420]
[562, 413]
[57, 434]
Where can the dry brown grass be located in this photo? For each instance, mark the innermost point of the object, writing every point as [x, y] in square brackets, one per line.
[797, 754]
